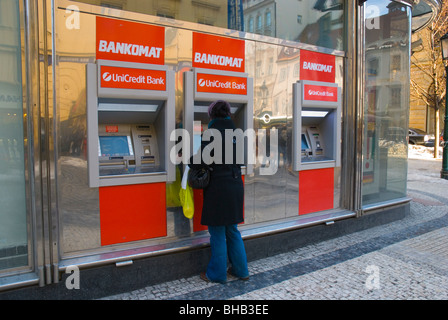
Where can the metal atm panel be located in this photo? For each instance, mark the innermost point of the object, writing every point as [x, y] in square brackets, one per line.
[316, 135]
[135, 121]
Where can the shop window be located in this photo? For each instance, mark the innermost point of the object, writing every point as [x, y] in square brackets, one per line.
[13, 210]
[386, 103]
[316, 22]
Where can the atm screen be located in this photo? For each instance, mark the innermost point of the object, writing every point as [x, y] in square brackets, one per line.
[115, 146]
[304, 143]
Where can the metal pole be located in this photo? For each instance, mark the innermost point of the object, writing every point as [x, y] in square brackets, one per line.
[444, 172]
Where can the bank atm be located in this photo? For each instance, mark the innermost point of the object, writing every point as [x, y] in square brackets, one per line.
[197, 100]
[130, 115]
[128, 123]
[316, 142]
[316, 125]
[201, 88]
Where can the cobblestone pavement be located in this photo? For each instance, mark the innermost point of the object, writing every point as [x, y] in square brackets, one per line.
[405, 259]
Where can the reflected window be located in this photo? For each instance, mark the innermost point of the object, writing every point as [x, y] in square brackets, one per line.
[268, 19]
[251, 25]
[386, 101]
[315, 22]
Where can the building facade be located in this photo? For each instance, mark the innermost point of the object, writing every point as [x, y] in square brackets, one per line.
[323, 85]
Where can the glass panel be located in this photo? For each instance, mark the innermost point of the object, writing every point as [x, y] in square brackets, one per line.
[316, 22]
[13, 214]
[386, 96]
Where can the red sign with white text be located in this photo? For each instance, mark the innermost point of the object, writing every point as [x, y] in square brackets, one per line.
[320, 93]
[129, 78]
[220, 53]
[121, 40]
[317, 66]
[213, 83]
[112, 129]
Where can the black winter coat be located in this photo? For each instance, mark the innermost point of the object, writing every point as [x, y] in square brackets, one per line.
[224, 196]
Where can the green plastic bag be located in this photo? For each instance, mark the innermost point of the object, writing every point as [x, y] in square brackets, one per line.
[186, 196]
[172, 191]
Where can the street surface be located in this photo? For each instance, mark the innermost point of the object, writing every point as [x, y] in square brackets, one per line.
[403, 260]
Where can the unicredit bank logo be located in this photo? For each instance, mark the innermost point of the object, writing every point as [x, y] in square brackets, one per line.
[128, 78]
[221, 84]
[107, 76]
[321, 93]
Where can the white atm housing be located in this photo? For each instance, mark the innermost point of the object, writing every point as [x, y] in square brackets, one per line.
[316, 139]
[128, 130]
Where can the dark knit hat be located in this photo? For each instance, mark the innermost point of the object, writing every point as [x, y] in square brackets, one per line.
[219, 109]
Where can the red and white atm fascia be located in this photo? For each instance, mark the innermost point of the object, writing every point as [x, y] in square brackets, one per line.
[130, 115]
[316, 139]
[218, 73]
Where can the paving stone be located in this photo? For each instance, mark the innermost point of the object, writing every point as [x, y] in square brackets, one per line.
[402, 260]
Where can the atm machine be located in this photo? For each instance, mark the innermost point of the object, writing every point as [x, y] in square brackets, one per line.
[197, 98]
[316, 142]
[130, 114]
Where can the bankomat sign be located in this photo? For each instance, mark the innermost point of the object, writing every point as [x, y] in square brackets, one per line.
[219, 53]
[317, 66]
[214, 83]
[121, 40]
[129, 78]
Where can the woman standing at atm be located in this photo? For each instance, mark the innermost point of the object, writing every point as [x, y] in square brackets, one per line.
[223, 205]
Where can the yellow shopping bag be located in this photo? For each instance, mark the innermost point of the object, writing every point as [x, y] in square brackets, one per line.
[186, 196]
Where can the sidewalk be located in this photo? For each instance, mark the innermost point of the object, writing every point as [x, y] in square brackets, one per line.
[406, 259]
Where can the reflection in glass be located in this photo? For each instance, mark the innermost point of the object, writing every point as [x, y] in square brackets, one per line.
[315, 22]
[13, 217]
[386, 101]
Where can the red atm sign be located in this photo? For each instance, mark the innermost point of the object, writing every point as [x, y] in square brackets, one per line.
[129, 78]
[213, 83]
[121, 40]
[317, 66]
[219, 53]
[320, 93]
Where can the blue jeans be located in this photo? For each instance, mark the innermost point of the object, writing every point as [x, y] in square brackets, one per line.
[226, 241]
